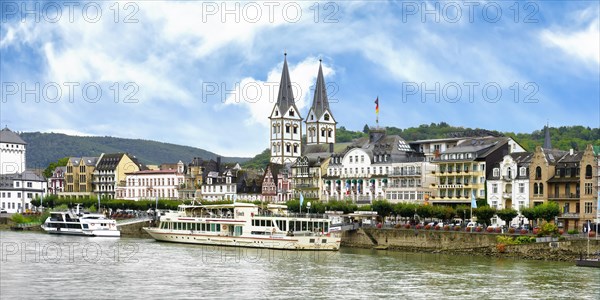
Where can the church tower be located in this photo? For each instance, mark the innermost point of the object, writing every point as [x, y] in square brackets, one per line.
[286, 123]
[320, 124]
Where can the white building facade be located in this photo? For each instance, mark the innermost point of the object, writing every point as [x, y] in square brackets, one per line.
[508, 186]
[152, 184]
[411, 181]
[12, 152]
[18, 186]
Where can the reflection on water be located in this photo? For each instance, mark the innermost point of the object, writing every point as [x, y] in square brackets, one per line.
[36, 265]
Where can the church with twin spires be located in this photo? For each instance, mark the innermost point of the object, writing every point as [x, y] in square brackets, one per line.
[286, 121]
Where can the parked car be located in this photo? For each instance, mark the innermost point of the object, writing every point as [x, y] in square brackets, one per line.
[3, 211]
[525, 226]
[471, 224]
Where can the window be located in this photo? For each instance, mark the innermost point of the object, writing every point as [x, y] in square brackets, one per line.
[287, 148]
[588, 172]
[323, 132]
[295, 147]
[291, 112]
[538, 173]
[494, 188]
[29, 184]
[588, 188]
[350, 159]
[522, 171]
[295, 129]
[557, 172]
[521, 188]
[496, 172]
[287, 128]
[588, 207]
[541, 188]
[329, 133]
[17, 184]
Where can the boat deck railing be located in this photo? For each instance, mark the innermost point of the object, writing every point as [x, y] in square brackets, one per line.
[294, 215]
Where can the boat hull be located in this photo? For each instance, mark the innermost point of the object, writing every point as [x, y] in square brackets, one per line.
[313, 243]
[79, 232]
[594, 263]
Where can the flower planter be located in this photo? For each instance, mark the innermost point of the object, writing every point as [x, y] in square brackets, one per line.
[456, 228]
[536, 230]
[478, 229]
[407, 226]
[427, 227]
[592, 234]
[468, 229]
[419, 227]
[489, 229]
[437, 227]
[523, 231]
[511, 230]
[561, 231]
[446, 227]
[498, 230]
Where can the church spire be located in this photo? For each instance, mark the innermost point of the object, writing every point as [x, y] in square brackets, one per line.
[320, 102]
[285, 98]
[547, 143]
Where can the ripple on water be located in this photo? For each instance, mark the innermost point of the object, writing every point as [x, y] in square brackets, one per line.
[143, 269]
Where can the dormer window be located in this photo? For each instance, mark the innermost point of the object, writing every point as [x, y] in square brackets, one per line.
[326, 117]
[496, 172]
[291, 112]
[276, 113]
[522, 171]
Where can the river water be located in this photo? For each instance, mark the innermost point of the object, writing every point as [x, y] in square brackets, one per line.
[42, 266]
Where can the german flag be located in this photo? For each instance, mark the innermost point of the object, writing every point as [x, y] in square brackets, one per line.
[377, 105]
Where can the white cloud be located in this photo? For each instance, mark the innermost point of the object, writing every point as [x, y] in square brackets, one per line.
[583, 44]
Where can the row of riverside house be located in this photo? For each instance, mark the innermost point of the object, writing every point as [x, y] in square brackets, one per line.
[446, 171]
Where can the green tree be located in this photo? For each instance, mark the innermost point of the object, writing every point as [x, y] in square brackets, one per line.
[425, 211]
[547, 211]
[60, 163]
[529, 213]
[507, 215]
[366, 129]
[484, 214]
[405, 210]
[383, 208]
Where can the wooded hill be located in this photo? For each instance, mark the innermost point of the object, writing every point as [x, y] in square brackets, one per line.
[44, 148]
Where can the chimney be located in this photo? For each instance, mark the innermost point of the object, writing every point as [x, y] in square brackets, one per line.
[330, 147]
[571, 151]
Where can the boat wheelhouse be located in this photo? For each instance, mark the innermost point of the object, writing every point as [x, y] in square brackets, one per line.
[76, 223]
[246, 225]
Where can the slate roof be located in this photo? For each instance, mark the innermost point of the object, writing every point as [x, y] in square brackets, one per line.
[6, 180]
[7, 136]
[285, 97]
[108, 162]
[481, 147]
[320, 102]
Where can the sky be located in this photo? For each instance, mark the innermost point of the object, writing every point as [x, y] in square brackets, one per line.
[206, 74]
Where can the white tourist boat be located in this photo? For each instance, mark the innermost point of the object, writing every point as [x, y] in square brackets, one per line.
[246, 225]
[76, 223]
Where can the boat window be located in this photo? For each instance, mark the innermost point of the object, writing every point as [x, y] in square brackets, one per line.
[218, 227]
[212, 227]
[326, 227]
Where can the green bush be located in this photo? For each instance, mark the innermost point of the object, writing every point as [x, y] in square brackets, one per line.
[524, 239]
[506, 240]
[549, 229]
[572, 231]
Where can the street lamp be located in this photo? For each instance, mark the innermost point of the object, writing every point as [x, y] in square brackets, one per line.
[308, 206]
